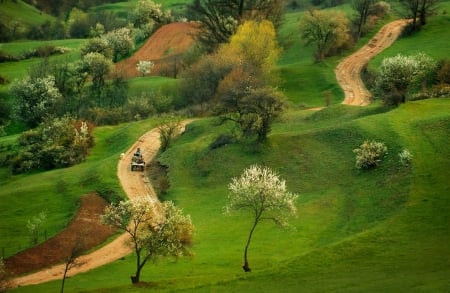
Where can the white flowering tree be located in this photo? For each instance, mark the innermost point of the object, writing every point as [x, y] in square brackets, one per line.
[34, 98]
[399, 74]
[120, 41]
[145, 67]
[260, 192]
[156, 230]
[147, 11]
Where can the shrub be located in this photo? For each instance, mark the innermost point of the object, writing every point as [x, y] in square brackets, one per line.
[369, 154]
[405, 157]
[222, 140]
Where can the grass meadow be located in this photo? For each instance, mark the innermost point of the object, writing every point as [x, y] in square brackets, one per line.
[381, 230]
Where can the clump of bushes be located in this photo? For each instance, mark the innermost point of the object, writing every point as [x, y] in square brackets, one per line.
[369, 154]
[57, 143]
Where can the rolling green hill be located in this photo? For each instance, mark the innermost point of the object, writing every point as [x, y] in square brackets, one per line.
[380, 230]
[22, 13]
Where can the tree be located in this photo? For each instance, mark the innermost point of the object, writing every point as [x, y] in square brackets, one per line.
[98, 67]
[34, 226]
[147, 11]
[78, 23]
[156, 230]
[34, 98]
[255, 45]
[328, 30]
[220, 18]
[121, 42]
[362, 8]
[167, 132]
[263, 194]
[96, 45]
[418, 10]
[71, 259]
[399, 74]
[145, 67]
[244, 95]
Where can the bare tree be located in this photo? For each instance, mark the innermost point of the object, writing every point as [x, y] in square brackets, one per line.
[418, 11]
[71, 260]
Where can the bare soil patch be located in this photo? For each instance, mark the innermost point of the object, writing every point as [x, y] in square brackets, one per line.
[85, 227]
[164, 48]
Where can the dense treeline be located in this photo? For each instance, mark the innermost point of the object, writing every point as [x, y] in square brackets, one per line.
[63, 7]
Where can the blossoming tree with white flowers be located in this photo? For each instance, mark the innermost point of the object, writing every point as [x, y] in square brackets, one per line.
[156, 230]
[263, 194]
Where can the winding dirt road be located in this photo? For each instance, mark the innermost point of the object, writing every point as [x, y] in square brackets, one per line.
[135, 184]
[348, 71]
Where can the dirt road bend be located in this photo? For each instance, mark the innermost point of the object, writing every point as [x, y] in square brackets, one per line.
[134, 184]
[348, 71]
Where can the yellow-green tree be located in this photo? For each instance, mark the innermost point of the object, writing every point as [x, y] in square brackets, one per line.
[327, 30]
[244, 95]
[255, 44]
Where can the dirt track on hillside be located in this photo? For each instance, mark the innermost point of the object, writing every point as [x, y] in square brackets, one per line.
[348, 72]
[134, 184]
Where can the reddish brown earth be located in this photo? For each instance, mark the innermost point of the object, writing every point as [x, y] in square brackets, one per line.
[163, 48]
[85, 229]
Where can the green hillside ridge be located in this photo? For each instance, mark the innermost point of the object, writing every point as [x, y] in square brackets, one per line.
[22, 13]
[380, 230]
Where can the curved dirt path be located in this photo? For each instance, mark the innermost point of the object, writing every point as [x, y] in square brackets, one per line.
[134, 184]
[348, 71]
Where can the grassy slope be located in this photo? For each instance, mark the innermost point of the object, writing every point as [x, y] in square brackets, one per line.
[40, 191]
[383, 230]
[23, 13]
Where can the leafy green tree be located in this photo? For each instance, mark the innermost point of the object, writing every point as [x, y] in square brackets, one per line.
[98, 67]
[263, 194]
[155, 230]
[147, 11]
[400, 74]
[327, 30]
[97, 45]
[55, 143]
[35, 98]
[121, 42]
[78, 23]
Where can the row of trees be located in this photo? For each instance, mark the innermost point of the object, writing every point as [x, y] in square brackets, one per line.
[76, 23]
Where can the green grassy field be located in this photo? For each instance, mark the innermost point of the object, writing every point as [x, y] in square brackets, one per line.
[383, 230]
[22, 12]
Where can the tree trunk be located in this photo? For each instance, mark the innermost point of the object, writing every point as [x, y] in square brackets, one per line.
[246, 266]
